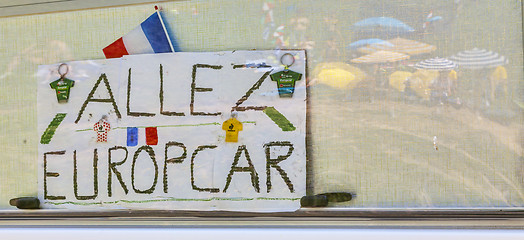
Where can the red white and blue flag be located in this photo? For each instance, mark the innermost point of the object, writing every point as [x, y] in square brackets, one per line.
[133, 136]
[150, 37]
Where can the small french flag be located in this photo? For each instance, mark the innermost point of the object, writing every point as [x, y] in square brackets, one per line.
[151, 136]
[150, 37]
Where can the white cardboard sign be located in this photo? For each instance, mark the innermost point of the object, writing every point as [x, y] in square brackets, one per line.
[148, 132]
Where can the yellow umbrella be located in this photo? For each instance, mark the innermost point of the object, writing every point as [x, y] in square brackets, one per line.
[420, 82]
[401, 45]
[398, 79]
[381, 57]
[337, 78]
[338, 75]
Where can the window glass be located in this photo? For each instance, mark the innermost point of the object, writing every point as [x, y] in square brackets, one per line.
[410, 103]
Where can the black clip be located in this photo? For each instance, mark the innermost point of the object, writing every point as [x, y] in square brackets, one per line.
[322, 200]
[25, 203]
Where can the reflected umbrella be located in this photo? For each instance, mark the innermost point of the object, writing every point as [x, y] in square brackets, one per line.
[478, 58]
[441, 88]
[436, 64]
[381, 57]
[338, 75]
[337, 78]
[401, 45]
[420, 82]
[384, 22]
[383, 26]
[397, 80]
[364, 42]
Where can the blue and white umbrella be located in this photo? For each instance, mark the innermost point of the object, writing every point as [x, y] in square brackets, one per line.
[478, 58]
[365, 42]
[436, 64]
[384, 23]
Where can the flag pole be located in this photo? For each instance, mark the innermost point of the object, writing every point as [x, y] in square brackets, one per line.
[164, 27]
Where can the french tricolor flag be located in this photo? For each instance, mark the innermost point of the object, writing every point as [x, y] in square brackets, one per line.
[151, 136]
[150, 37]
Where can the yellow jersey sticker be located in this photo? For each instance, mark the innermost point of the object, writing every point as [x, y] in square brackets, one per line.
[232, 127]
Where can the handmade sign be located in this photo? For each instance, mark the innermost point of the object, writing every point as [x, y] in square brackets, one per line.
[157, 132]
